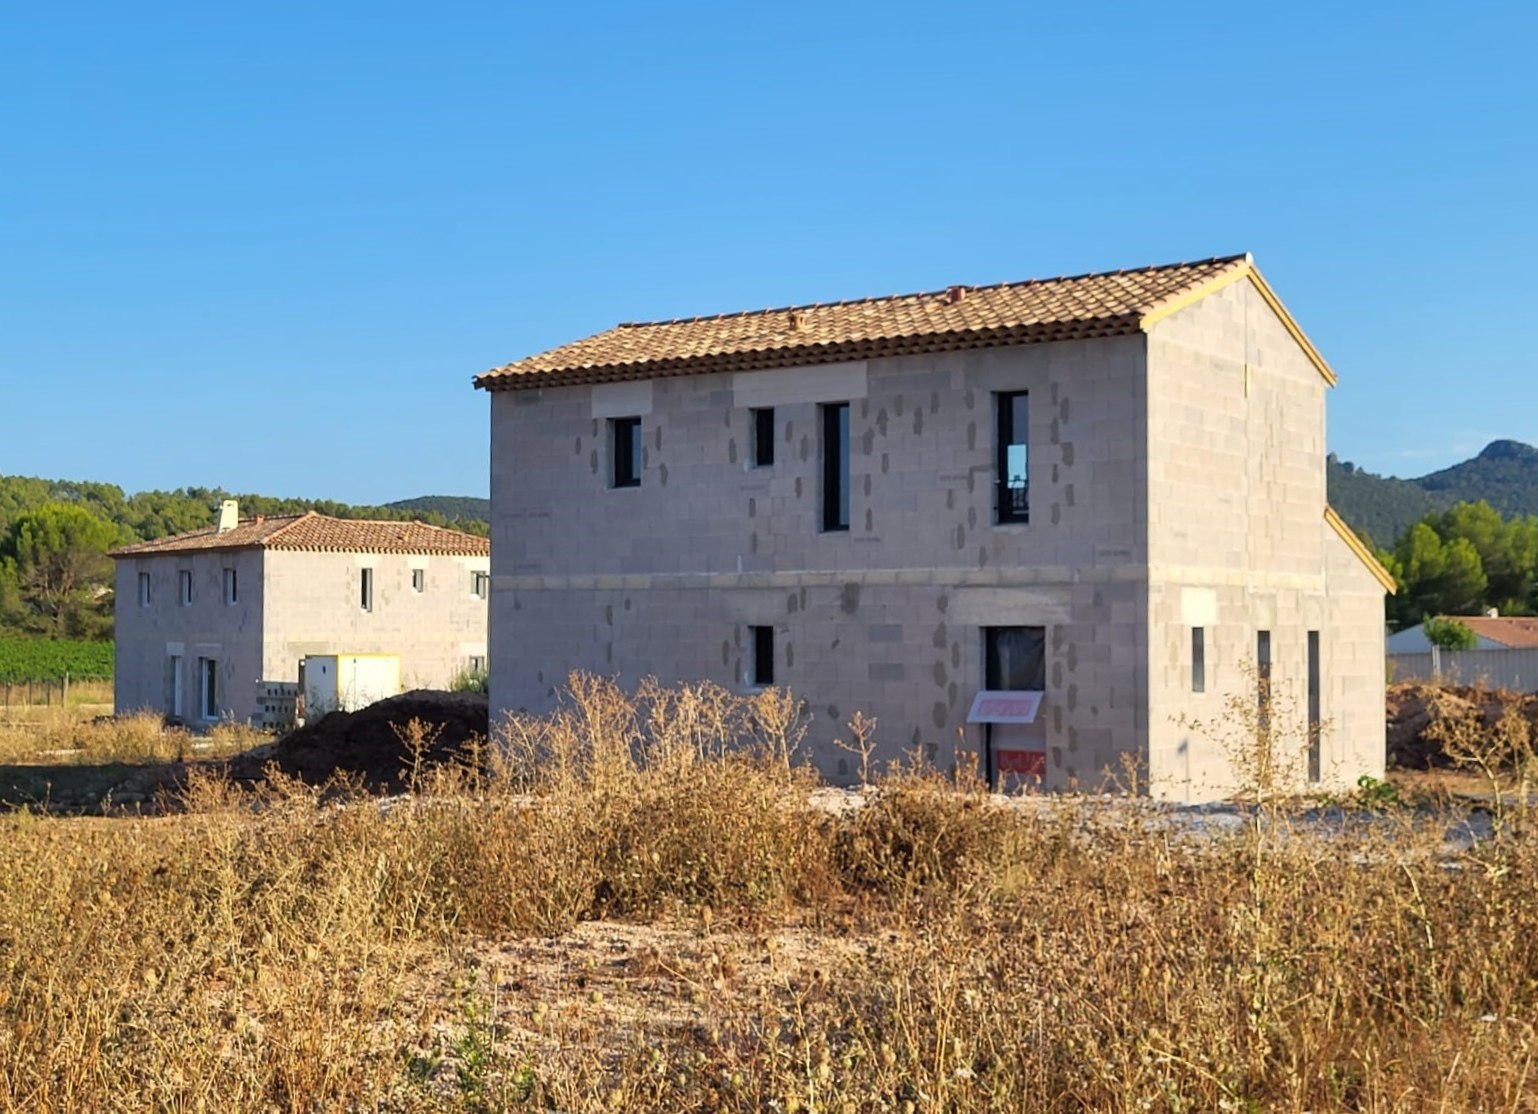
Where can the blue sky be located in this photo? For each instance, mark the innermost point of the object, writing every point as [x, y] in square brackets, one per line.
[266, 246]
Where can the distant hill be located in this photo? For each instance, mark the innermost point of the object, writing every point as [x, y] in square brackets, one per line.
[466, 507]
[146, 515]
[1504, 474]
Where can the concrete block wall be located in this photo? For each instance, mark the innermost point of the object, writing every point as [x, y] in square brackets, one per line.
[887, 617]
[148, 636]
[1238, 545]
[314, 606]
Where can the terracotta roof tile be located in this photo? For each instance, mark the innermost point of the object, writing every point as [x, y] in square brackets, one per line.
[1078, 306]
[319, 533]
[1515, 632]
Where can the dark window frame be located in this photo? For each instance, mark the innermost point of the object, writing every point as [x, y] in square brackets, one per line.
[1263, 680]
[835, 467]
[1198, 659]
[763, 436]
[624, 452]
[1012, 502]
[1315, 722]
[994, 678]
[761, 668]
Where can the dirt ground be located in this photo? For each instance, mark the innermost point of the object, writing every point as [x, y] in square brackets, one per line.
[1411, 706]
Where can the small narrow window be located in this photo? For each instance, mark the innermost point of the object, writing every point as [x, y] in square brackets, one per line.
[763, 437]
[625, 451]
[835, 466]
[231, 596]
[144, 589]
[418, 580]
[762, 672]
[1314, 720]
[480, 584]
[1198, 659]
[366, 589]
[1263, 678]
[184, 586]
[477, 663]
[1012, 414]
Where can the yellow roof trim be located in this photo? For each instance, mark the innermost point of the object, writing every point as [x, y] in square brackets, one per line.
[1246, 269]
[1357, 546]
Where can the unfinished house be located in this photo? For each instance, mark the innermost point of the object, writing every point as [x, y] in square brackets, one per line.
[1048, 526]
[210, 622]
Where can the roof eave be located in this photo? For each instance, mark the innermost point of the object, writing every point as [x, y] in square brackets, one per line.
[1359, 547]
[507, 379]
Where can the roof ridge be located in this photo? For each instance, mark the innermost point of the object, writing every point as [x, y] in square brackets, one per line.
[737, 314]
[293, 520]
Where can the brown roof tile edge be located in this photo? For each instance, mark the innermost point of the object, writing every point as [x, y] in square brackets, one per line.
[317, 533]
[810, 355]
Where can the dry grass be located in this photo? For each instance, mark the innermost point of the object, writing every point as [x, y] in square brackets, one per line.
[632, 908]
[70, 736]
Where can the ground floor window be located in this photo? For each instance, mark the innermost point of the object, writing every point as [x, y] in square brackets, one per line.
[1314, 721]
[177, 706]
[761, 670]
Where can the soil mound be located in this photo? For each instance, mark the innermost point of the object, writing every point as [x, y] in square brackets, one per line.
[368, 743]
[1413, 706]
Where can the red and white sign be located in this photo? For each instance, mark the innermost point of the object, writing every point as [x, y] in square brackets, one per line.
[1004, 707]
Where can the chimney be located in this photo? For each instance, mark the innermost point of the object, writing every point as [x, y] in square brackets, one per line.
[1492, 613]
[955, 294]
[229, 515]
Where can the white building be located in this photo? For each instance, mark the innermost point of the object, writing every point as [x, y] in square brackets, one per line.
[203, 618]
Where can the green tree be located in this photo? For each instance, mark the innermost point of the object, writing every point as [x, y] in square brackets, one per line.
[56, 559]
[1449, 634]
[1440, 577]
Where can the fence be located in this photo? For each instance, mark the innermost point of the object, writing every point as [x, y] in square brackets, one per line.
[1507, 669]
[47, 692]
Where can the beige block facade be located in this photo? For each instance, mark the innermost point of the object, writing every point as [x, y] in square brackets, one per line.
[288, 604]
[1158, 464]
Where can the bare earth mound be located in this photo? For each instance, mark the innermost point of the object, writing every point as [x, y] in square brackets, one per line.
[368, 743]
[1410, 708]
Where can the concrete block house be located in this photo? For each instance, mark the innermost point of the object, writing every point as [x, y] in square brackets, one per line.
[205, 619]
[1049, 522]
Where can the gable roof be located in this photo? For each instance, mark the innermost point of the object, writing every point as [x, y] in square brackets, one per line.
[1112, 303]
[318, 533]
[1515, 632]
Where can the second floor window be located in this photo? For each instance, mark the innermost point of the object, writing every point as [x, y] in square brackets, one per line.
[144, 589]
[763, 437]
[835, 466]
[184, 587]
[625, 452]
[480, 584]
[231, 597]
[1013, 417]
[366, 589]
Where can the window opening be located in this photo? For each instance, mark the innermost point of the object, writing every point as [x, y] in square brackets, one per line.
[835, 466]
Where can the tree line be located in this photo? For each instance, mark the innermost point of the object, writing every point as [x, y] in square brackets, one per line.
[55, 577]
[1462, 561]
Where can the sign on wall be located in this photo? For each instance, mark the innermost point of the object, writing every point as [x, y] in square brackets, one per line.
[1004, 707]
